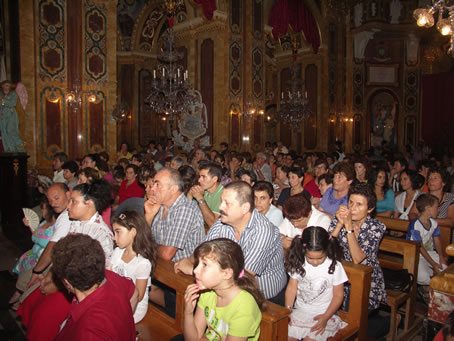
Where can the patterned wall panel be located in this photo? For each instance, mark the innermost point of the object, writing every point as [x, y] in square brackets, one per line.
[235, 61]
[257, 19]
[411, 90]
[234, 129]
[95, 53]
[358, 84]
[52, 121]
[236, 16]
[51, 28]
[257, 72]
[149, 28]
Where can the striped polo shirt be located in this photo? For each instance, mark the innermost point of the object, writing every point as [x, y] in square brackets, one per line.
[262, 248]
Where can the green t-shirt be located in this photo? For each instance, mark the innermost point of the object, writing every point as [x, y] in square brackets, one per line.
[240, 318]
[213, 200]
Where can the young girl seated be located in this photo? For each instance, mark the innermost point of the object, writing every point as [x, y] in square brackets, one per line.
[135, 255]
[41, 236]
[230, 300]
[317, 283]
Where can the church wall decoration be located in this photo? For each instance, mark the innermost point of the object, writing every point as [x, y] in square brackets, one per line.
[51, 28]
[149, 28]
[96, 124]
[95, 75]
[52, 116]
[95, 52]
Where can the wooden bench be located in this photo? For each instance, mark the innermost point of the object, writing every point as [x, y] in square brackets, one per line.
[400, 225]
[157, 325]
[359, 277]
[409, 252]
[274, 326]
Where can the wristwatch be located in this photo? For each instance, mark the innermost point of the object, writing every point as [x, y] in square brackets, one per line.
[351, 231]
[201, 201]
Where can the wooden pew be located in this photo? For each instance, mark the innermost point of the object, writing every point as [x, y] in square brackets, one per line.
[157, 325]
[400, 225]
[274, 325]
[409, 250]
[359, 277]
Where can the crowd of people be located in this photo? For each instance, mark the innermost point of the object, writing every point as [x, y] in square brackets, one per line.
[273, 226]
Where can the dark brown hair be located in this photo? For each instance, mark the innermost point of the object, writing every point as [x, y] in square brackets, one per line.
[230, 256]
[297, 206]
[143, 243]
[80, 260]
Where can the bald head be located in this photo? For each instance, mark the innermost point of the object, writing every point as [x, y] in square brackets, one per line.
[58, 195]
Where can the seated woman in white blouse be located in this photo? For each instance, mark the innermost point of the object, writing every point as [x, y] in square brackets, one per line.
[410, 182]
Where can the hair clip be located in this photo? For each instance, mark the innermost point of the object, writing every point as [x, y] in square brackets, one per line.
[122, 216]
[241, 274]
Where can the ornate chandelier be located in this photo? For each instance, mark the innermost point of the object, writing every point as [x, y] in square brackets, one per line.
[74, 96]
[171, 94]
[294, 105]
[445, 25]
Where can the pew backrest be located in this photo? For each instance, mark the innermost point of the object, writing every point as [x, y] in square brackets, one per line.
[400, 225]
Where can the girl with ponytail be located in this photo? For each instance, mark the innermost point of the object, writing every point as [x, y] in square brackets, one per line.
[229, 300]
[316, 287]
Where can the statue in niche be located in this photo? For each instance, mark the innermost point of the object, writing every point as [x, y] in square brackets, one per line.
[192, 125]
[9, 121]
[383, 118]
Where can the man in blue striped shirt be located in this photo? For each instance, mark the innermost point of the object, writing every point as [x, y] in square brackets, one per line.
[258, 237]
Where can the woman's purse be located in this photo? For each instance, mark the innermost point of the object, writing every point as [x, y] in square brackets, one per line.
[398, 280]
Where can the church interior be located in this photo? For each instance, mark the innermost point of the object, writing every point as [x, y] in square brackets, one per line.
[351, 57]
[92, 75]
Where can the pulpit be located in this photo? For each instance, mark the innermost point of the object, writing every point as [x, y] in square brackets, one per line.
[13, 184]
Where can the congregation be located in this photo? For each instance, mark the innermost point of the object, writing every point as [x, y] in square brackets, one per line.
[292, 219]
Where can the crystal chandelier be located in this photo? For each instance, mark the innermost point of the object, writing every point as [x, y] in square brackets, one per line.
[74, 96]
[445, 25]
[171, 93]
[251, 109]
[294, 105]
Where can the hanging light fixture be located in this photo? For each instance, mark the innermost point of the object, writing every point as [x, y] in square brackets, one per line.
[294, 104]
[445, 25]
[171, 94]
[74, 97]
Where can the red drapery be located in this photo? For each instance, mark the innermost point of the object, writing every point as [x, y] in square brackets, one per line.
[208, 7]
[298, 16]
[437, 109]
